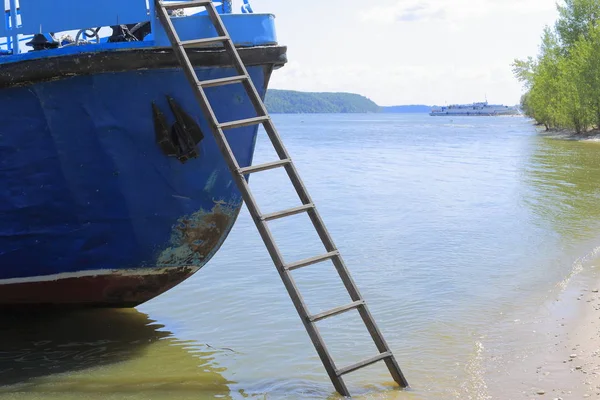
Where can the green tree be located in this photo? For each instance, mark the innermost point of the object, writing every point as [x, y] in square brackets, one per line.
[524, 103]
[572, 110]
[524, 71]
[587, 52]
[542, 77]
[563, 83]
[576, 18]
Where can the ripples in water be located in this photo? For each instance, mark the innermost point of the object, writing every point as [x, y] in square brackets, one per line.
[452, 230]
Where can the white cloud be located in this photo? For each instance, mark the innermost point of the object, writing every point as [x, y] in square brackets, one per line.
[410, 10]
[409, 51]
[452, 10]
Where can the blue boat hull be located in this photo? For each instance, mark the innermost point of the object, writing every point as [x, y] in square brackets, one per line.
[94, 213]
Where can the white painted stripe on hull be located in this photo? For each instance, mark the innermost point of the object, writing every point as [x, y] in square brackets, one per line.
[93, 273]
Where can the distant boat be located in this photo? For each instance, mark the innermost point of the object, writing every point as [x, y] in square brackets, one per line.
[476, 109]
[112, 189]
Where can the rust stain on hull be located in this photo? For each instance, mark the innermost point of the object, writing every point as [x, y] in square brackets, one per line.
[138, 289]
[198, 236]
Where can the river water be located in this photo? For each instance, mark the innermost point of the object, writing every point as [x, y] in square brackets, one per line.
[452, 228]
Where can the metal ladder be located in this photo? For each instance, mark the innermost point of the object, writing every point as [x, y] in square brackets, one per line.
[284, 269]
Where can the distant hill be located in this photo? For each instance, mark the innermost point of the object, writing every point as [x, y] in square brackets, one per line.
[293, 102]
[413, 108]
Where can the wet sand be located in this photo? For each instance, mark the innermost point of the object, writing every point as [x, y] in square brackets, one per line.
[564, 354]
[582, 342]
[572, 366]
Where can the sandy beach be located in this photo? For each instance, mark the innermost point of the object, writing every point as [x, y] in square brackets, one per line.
[571, 368]
[562, 356]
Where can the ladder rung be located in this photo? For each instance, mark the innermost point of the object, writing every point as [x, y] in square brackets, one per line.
[263, 167]
[185, 4]
[204, 41]
[364, 363]
[223, 81]
[336, 311]
[243, 122]
[288, 213]
[311, 261]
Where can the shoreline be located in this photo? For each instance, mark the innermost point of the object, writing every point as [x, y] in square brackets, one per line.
[571, 367]
[566, 134]
[559, 352]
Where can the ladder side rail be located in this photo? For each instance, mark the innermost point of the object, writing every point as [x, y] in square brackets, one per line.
[382, 346]
[241, 69]
[272, 133]
[185, 62]
[262, 110]
[280, 149]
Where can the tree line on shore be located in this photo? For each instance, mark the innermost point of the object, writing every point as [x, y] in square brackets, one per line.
[563, 82]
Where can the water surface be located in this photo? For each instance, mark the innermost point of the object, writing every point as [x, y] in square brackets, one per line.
[452, 228]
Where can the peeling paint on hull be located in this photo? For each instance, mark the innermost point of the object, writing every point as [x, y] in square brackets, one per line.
[198, 236]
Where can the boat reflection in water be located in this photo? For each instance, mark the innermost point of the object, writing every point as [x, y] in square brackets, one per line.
[102, 354]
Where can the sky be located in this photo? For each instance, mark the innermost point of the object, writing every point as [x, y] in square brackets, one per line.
[432, 52]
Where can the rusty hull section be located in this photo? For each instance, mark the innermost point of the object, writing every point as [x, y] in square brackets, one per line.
[195, 239]
[198, 236]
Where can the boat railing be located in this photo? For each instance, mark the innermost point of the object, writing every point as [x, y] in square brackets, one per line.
[83, 19]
